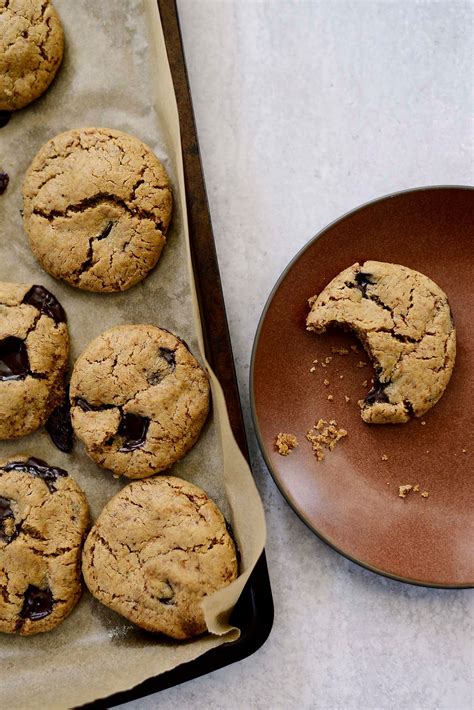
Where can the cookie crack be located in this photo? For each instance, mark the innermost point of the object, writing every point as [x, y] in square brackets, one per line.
[99, 199]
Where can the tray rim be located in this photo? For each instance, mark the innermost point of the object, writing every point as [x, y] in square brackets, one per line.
[281, 277]
[256, 600]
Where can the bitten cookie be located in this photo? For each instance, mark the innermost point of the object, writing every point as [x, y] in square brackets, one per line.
[97, 205]
[34, 349]
[138, 399]
[31, 50]
[157, 549]
[43, 520]
[404, 322]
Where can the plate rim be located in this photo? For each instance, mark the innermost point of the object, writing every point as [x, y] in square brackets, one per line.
[281, 277]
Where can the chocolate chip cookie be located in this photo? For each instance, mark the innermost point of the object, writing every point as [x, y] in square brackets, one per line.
[138, 399]
[34, 349]
[404, 322]
[31, 50]
[157, 549]
[97, 205]
[43, 520]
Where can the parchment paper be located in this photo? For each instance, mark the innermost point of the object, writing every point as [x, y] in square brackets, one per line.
[116, 74]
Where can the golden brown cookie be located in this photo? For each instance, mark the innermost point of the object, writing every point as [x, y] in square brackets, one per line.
[31, 50]
[97, 205]
[157, 549]
[404, 322]
[43, 520]
[34, 349]
[139, 399]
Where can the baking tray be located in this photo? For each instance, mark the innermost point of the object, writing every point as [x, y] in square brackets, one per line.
[253, 613]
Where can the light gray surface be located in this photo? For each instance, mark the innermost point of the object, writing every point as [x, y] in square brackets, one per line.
[305, 110]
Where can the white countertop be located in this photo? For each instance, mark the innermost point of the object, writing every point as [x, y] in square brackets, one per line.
[305, 110]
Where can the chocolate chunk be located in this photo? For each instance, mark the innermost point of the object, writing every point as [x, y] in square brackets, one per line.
[39, 469]
[409, 407]
[169, 356]
[4, 180]
[6, 513]
[87, 407]
[377, 393]
[59, 427]
[14, 362]
[46, 303]
[133, 428]
[37, 603]
[4, 118]
[362, 280]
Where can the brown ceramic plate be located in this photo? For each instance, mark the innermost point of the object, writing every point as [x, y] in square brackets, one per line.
[351, 498]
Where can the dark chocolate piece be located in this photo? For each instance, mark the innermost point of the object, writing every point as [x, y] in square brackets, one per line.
[4, 180]
[105, 232]
[377, 393]
[59, 427]
[409, 407]
[133, 428]
[14, 362]
[39, 469]
[6, 513]
[46, 303]
[37, 604]
[5, 116]
[169, 356]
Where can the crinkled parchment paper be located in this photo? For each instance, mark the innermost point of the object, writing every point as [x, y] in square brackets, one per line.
[116, 74]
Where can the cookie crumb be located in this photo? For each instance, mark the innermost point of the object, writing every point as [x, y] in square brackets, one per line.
[423, 423]
[416, 488]
[364, 384]
[330, 397]
[427, 451]
[348, 399]
[360, 402]
[285, 443]
[327, 437]
[403, 490]
[425, 494]
[354, 348]
[340, 351]
[328, 359]
[341, 377]
[325, 382]
[361, 363]
[312, 369]
[464, 451]
[323, 364]
[384, 457]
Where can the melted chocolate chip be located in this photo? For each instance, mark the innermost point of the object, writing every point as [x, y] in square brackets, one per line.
[6, 513]
[39, 469]
[4, 180]
[59, 427]
[377, 393]
[46, 303]
[169, 356]
[37, 603]
[133, 428]
[87, 407]
[409, 407]
[14, 362]
[362, 280]
[4, 118]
